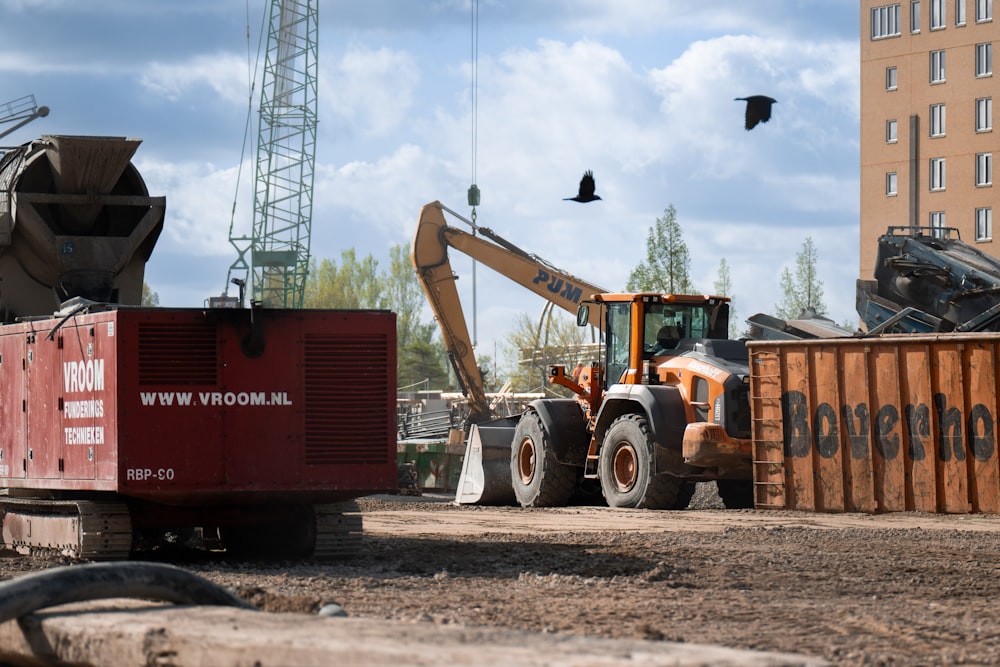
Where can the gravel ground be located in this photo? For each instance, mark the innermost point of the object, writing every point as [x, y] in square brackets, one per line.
[900, 589]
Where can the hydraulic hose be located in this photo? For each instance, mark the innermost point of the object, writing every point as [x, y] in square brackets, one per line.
[100, 581]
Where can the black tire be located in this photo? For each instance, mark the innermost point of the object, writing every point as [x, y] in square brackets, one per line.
[539, 480]
[736, 494]
[626, 468]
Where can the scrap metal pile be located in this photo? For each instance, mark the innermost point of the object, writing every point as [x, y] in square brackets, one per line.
[929, 280]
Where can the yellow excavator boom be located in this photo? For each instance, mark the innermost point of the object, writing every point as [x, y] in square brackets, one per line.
[431, 241]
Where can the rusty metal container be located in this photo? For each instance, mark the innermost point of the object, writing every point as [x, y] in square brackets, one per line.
[882, 424]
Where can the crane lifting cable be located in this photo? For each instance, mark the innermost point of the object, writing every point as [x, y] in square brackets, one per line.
[474, 114]
[239, 271]
[474, 103]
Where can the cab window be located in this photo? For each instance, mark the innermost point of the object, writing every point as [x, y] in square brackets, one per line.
[619, 318]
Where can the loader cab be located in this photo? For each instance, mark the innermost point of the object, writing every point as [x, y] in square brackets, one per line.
[666, 323]
[661, 322]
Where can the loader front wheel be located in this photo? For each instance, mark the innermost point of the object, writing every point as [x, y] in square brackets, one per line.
[539, 479]
[627, 470]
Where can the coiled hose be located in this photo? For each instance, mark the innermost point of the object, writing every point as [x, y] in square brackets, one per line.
[100, 581]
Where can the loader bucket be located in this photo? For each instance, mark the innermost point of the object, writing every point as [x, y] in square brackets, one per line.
[485, 478]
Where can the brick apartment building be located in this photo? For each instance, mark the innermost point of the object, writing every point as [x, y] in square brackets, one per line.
[927, 139]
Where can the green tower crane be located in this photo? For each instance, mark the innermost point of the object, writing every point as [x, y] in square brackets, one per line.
[278, 246]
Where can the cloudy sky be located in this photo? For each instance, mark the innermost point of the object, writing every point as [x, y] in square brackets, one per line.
[640, 92]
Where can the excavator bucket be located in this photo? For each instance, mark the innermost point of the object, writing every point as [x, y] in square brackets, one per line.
[485, 478]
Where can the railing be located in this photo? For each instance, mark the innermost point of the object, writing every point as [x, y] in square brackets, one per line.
[432, 424]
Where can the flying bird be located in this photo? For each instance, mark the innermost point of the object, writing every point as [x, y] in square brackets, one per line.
[587, 187]
[758, 109]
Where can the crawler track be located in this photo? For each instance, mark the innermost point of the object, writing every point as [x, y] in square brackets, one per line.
[338, 531]
[102, 530]
[82, 529]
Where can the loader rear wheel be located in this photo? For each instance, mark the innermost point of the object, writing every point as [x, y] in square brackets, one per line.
[627, 471]
[539, 479]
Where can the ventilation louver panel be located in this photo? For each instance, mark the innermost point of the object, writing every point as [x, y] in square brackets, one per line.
[181, 353]
[346, 400]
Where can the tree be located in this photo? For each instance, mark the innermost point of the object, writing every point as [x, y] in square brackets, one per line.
[802, 292]
[403, 294]
[723, 286]
[533, 346]
[422, 360]
[667, 265]
[149, 297]
[355, 284]
[420, 355]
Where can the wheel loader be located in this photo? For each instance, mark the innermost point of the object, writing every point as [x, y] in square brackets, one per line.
[664, 406]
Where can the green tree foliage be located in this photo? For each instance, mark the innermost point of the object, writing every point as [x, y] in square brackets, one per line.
[422, 360]
[403, 291]
[532, 346]
[668, 263]
[723, 286]
[149, 297]
[354, 284]
[801, 291]
[360, 284]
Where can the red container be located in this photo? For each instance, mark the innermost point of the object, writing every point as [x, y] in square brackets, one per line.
[201, 407]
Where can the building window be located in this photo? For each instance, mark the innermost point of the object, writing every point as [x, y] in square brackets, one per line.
[937, 120]
[984, 59]
[984, 114]
[937, 14]
[984, 224]
[937, 66]
[891, 78]
[885, 21]
[959, 12]
[937, 173]
[937, 223]
[984, 169]
[890, 184]
[984, 10]
[914, 15]
[890, 132]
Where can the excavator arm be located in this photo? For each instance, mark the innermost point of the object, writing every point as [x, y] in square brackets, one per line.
[429, 253]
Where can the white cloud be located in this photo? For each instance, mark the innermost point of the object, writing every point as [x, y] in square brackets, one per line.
[545, 115]
[371, 89]
[757, 255]
[226, 74]
[200, 205]
[383, 196]
[22, 5]
[633, 18]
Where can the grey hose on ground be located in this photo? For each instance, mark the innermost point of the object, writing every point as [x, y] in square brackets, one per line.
[100, 581]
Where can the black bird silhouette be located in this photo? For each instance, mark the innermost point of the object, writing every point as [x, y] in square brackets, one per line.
[587, 187]
[758, 109]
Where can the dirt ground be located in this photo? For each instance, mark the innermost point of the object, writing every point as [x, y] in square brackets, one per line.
[894, 589]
